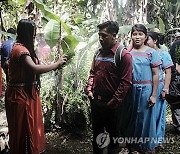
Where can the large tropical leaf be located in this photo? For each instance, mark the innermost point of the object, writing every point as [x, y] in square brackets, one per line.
[51, 32]
[150, 26]
[93, 39]
[8, 34]
[47, 13]
[18, 2]
[173, 1]
[161, 25]
[125, 29]
[69, 43]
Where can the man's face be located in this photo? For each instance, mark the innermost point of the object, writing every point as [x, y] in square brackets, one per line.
[106, 39]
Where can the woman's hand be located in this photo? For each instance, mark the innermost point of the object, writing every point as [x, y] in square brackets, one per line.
[61, 61]
[152, 101]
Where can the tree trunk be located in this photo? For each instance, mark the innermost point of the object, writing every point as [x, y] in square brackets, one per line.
[58, 114]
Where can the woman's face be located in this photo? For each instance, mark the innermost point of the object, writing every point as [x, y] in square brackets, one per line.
[138, 38]
[150, 42]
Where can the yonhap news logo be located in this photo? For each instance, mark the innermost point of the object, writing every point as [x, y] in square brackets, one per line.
[143, 140]
[103, 140]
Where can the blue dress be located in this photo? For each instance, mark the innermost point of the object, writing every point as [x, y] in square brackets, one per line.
[161, 103]
[142, 123]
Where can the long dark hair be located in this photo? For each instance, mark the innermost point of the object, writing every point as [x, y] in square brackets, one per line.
[26, 31]
[25, 35]
[159, 38]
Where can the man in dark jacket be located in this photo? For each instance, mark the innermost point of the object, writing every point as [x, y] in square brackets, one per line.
[107, 88]
[175, 71]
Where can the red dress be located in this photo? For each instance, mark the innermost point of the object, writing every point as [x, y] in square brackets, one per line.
[0, 81]
[23, 107]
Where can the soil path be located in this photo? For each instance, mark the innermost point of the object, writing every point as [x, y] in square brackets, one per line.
[62, 142]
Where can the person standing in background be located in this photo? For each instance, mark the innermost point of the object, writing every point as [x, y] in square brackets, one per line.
[5, 51]
[173, 98]
[162, 46]
[164, 81]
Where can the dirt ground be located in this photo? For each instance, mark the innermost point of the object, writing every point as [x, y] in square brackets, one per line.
[71, 142]
[63, 143]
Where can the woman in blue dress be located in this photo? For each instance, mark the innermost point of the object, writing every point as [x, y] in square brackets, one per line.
[142, 124]
[154, 41]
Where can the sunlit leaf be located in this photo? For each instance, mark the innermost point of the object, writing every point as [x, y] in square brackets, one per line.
[19, 2]
[47, 12]
[51, 32]
[150, 26]
[125, 29]
[93, 39]
[8, 34]
[69, 43]
[78, 19]
[161, 25]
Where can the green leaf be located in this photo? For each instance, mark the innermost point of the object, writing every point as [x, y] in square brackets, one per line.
[51, 32]
[173, 1]
[161, 25]
[93, 39]
[19, 2]
[69, 43]
[78, 19]
[125, 29]
[8, 34]
[47, 13]
[150, 26]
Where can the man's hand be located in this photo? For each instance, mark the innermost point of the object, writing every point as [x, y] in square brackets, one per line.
[112, 104]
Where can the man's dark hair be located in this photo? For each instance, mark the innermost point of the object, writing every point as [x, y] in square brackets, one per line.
[11, 30]
[111, 26]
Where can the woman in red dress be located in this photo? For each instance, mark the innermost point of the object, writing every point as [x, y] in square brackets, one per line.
[22, 101]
